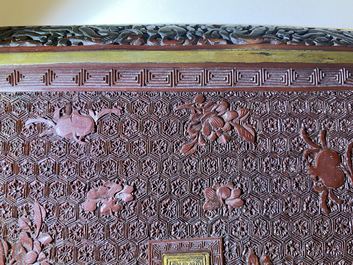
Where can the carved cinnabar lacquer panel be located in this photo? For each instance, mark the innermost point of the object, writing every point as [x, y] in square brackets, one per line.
[193, 151]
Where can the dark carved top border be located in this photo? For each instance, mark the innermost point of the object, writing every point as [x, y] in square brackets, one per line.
[172, 35]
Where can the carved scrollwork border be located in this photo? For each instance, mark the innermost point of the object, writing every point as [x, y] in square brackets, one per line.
[172, 35]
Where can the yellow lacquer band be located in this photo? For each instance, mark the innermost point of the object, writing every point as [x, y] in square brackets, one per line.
[178, 56]
[202, 258]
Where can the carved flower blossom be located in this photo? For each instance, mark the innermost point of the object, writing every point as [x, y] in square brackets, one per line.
[107, 196]
[32, 241]
[220, 195]
[214, 121]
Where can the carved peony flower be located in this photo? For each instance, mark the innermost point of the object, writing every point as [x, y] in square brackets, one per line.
[218, 196]
[214, 121]
[216, 125]
[107, 197]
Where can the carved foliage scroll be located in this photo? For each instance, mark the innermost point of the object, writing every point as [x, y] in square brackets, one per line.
[172, 35]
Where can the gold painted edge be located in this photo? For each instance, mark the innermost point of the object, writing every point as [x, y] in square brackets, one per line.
[181, 56]
[166, 257]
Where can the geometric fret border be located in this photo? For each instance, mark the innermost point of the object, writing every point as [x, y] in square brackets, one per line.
[117, 77]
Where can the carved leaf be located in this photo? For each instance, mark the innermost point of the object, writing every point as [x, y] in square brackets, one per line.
[252, 258]
[223, 192]
[103, 112]
[246, 132]
[42, 211]
[224, 138]
[106, 207]
[308, 140]
[349, 160]
[222, 106]
[210, 193]
[227, 127]
[193, 130]
[30, 257]
[17, 253]
[107, 195]
[212, 201]
[230, 115]
[188, 149]
[37, 247]
[195, 119]
[205, 116]
[4, 250]
[102, 191]
[216, 122]
[127, 189]
[42, 258]
[211, 205]
[125, 194]
[235, 203]
[89, 32]
[44, 262]
[26, 241]
[38, 217]
[90, 205]
[243, 114]
[199, 99]
[206, 128]
[185, 106]
[266, 260]
[92, 194]
[109, 206]
[44, 238]
[113, 189]
[201, 141]
[208, 106]
[235, 193]
[23, 224]
[116, 207]
[212, 137]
